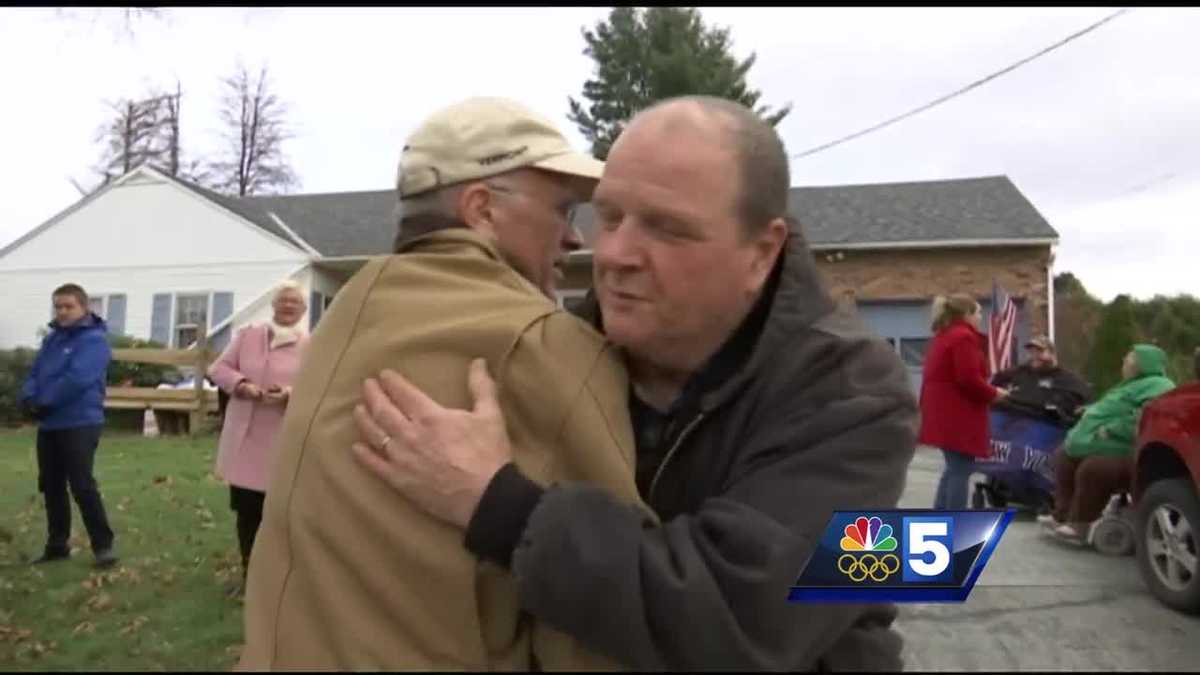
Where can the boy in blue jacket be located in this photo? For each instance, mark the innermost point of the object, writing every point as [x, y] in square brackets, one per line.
[65, 394]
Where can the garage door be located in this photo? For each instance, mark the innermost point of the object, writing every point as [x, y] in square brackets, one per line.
[905, 326]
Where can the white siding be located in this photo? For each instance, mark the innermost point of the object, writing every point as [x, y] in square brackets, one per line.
[148, 223]
[27, 292]
[144, 236]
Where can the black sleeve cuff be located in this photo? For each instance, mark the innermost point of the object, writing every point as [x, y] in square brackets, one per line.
[500, 518]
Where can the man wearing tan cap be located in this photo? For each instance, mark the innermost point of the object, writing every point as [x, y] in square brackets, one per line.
[347, 574]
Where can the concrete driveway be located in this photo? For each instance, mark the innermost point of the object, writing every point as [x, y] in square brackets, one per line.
[1041, 605]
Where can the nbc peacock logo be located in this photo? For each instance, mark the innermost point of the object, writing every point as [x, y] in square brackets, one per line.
[867, 550]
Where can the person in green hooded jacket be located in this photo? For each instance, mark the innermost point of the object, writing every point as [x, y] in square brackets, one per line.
[1096, 457]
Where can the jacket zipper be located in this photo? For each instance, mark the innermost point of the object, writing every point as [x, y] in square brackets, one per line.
[671, 453]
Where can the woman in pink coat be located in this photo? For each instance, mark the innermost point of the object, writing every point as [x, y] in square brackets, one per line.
[256, 370]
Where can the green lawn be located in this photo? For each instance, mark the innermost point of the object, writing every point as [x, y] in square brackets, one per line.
[163, 606]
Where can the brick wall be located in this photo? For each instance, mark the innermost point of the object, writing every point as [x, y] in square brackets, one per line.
[920, 274]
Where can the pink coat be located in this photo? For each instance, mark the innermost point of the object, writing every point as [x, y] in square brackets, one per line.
[246, 450]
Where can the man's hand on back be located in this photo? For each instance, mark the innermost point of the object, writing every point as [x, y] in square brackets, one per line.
[440, 458]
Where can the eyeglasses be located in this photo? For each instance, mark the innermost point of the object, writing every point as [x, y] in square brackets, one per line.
[565, 211]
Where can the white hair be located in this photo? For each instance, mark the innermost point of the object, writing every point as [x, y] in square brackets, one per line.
[442, 202]
[289, 285]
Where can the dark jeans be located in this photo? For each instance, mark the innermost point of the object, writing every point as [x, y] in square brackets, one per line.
[952, 487]
[65, 458]
[248, 504]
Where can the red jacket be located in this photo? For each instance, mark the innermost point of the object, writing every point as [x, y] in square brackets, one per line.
[955, 393]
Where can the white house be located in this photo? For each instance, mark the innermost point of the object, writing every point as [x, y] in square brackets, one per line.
[164, 258]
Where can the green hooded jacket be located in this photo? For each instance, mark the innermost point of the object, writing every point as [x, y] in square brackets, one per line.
[1117, 412]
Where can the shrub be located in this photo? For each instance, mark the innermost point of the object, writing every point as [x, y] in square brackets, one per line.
[14, 368]
[121, 373]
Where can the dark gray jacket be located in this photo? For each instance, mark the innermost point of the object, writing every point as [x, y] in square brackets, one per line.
[818, 416]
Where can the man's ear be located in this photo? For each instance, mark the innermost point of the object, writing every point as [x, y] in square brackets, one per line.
[475, 207]
[767, 246]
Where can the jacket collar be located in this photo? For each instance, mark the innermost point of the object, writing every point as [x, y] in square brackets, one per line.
[463, 241]
[793, 299]
[962, 325]
[89, 320]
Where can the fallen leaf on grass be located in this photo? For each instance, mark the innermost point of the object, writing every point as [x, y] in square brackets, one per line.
[36, 649]
[100, 602]
[13, 634]
[85, 627]
[164, 480]
[134, 626]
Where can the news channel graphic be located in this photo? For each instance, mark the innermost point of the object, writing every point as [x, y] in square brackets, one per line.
[911, 555]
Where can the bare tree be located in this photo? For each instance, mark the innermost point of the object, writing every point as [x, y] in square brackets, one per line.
[170, 148]
[169, 129]
[124, 20]
[130, 138]
[255, 129]
[145, 130]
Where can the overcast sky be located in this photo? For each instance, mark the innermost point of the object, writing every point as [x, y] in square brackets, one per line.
[1103, 135]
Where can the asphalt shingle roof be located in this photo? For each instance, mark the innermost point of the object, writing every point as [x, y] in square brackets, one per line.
[989, 208]
[338, 223]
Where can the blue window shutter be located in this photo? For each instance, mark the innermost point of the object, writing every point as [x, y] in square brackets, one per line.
[116, 314]
[160, 319]
[315, 309]
[222, 308]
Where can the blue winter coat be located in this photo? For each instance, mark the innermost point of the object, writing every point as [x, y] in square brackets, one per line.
[67, 381]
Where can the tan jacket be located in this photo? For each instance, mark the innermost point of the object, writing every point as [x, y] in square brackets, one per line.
[346, 574]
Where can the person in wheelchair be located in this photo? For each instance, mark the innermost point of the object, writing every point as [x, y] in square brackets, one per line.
[1042, 388]
[1096, 458]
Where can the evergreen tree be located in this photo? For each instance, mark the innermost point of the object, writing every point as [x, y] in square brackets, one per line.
[1115, 335]
[647, 55]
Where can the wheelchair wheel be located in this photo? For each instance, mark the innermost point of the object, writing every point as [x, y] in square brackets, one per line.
[1113, 536]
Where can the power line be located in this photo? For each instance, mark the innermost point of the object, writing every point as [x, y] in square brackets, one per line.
[964, 90]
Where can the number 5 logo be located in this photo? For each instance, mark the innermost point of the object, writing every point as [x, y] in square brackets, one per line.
[928, 549]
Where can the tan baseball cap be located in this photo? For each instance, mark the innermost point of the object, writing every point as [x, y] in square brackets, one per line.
[481, 137]
[1040, 342]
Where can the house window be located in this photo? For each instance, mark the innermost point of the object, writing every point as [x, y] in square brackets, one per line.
[191, 316]
[96, 305]
[912, 351]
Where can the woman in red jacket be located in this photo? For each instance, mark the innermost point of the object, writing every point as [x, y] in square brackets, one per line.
[955, 396]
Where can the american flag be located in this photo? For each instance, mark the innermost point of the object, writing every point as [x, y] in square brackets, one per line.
[1000, 329]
